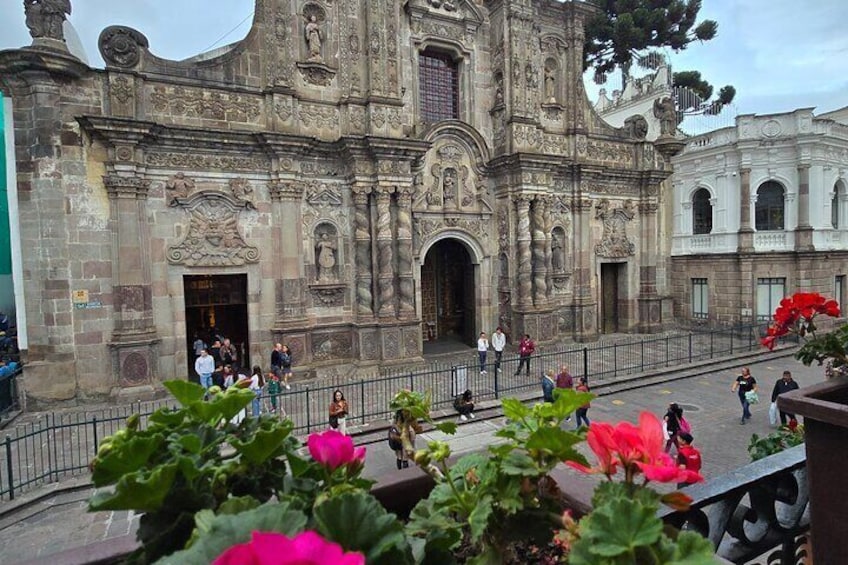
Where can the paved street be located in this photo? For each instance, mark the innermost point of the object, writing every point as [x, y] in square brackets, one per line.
[61, 522]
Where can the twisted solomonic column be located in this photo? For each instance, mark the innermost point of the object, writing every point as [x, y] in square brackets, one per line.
[362, 242]
[523, 238]
[385, 259]
[540, 270]
[404, 250]
[549, 254]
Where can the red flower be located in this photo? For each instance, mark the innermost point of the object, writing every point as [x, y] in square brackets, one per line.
[333, 450]
[307, 548]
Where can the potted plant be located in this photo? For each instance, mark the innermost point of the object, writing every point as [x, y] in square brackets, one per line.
[824, 407]
[243, 493]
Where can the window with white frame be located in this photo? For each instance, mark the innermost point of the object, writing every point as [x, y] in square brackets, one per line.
[702, 212]
[834, 210]
[769, 213]
[700, 299]
[770, 291]
[839, 290]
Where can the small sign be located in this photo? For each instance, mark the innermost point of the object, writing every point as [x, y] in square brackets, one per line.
[79, 296]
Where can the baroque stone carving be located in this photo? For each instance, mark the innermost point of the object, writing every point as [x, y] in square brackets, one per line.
[614, 242]
[666, 113]
[179, 186]
[325, 253]
[206, 104]
[312, 33]
[318, 74]
[45, 18]
[328, 294]
[320, 116]
[321, 194]
[636, 126]
[195, 161]
[242, 191]
[333, 345]
[121, 89]
[121, 46]
[212, 238]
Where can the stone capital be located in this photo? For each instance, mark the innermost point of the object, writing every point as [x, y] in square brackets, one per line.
[285, 190]
[126, 186]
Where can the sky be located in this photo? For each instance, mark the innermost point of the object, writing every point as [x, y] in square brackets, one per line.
[779, 54]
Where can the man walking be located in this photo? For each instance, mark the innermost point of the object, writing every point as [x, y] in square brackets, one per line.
[498, 344]
[784, 384]
[526, 348]
[204, 366]
[482, 351]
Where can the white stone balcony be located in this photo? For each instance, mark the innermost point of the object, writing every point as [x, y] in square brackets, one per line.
[707, 243]
[774, 241]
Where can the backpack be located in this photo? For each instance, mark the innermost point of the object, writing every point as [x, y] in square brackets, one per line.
[395, 443]
[684, 426]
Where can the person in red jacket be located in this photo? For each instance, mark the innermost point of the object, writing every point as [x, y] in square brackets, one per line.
[526, 348]
[688, 456]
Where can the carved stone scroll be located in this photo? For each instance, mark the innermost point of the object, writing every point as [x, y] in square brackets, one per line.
[385, 255]
[614, 242]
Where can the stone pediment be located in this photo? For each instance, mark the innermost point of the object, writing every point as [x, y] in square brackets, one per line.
[461, 12]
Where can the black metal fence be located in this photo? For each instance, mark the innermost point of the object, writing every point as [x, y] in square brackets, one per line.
[61, 445]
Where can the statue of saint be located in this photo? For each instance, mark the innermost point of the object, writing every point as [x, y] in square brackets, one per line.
[449, 187]
[666, 113]
[313, 38]
[550, 86]
[179, 185]
[44, 18]
[556, 253]
[326, 258]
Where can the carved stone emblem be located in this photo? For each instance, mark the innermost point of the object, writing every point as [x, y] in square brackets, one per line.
[315, 73]
[212, 237]
[328, 294]
[179, 186]
[614, 242]
[121, 46]
[242, 191]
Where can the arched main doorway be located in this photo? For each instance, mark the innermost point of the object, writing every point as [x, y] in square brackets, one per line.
[447, 293]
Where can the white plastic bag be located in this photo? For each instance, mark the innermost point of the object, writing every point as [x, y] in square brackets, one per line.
[773, 416]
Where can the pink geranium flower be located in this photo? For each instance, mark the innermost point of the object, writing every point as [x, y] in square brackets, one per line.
[333, 450]
[306, 548]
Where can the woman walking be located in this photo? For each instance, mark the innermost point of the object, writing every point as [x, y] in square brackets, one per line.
[672, 420]
[338, 412]
[744, 384]
[482, 351]
[583, 386]
[257, 381]
[286, 361]
[406, 429]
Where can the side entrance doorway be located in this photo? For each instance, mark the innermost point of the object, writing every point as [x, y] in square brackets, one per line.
[216, 305]
[612, 276]
[448, 293]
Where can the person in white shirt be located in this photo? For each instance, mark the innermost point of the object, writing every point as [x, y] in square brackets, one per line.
[482, 350]
[498, 344]
[204, 366]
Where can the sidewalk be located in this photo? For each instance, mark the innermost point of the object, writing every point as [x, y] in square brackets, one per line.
[58, 521]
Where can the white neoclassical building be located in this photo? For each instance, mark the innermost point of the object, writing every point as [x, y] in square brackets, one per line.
[760, 210]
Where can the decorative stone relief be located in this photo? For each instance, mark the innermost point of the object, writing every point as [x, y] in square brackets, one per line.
[330, 295]
[614, 242]
[135, 369]
[197, 161]
[426, 227]
[316, 73]
[636, 127]
[206, 104]
[326, 252]
[212, 237]
[335, 345]
[179, 186]
[617, 153]
[121, 89]
[121, 46]
[242, 191]
[319, 116]
[320, 194]
[45, 19]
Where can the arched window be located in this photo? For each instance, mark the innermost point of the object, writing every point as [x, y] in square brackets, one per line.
[769, 211]
[438, 79]
[835, 206]
[702, 212]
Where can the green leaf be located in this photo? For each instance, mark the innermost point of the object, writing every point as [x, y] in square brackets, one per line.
[227, 530]
[434, 524]
[190, 443]
[222, 406]
[238, 504]
[490, 556]
[556, 442]
[358, 522]
[478, 520]
[623, 525]
[514, 409]
[693, 549]
[446, 427]
[184, 392]
[127, 456]
[264, 444]
[137, 491]
[521, 464]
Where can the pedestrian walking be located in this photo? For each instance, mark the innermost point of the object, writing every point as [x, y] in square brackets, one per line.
[526, 348]
[404, 425]
[783, 385]
[498, 344]
[338, 412]
[688, 456]
[257, 382]
[277, 360]
[565, 381]
[743, 385]
[287, 362]
[482, 351]
[198, 345]
[582, 412]
[672, 422]
[204, 366]
[274, 392]
[464, 404]
[548, 385]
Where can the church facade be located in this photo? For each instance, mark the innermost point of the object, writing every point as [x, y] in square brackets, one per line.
[352, 179]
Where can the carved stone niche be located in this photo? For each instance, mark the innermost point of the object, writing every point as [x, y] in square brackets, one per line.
[121, 46]
[317, 74]
[328, 294]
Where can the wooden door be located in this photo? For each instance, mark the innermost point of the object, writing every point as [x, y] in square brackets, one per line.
[609, 297]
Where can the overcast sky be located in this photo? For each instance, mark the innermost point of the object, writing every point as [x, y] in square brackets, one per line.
[779, 54]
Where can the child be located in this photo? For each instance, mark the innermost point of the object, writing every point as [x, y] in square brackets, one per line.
[688, 456]
[273, 390]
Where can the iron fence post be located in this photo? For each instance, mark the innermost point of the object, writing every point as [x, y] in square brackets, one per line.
[750, 338]
[642, 355]
[731, 339]
[614, 360]
[586, 364]
[308, 411]
[712, 333]
[94, 429]
[9, 468]
[411, 382]
[362, 399]
[497, 393]
[667, 354]
[690, 347]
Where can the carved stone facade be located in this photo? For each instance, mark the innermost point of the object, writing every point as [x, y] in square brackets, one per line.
[299, 159]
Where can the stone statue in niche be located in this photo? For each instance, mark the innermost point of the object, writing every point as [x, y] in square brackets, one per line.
[313, 38]
[449, 185]
[550, 85]
[499, 95]
[180, 186]
[326, 253]
[666, 113]
[557, 262]
[44, 18]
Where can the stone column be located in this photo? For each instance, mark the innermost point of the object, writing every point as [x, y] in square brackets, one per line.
[362, 242]
[804, 231]
[540, 271]
[650, 307]
[385, 254]
[134, 336]
[584, 303]
[746, 232]
[549, 254]
[523, 238]
[404, 250]
[286, 205]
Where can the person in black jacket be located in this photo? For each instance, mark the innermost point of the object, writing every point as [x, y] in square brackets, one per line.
[784, 384]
